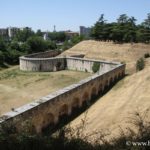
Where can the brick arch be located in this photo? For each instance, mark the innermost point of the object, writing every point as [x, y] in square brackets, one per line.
[63, 110]
[106, 84]
[122, 73]
[93, 92]
[119, 75]
[58, 65]
[100, 88]
[111, 80]
[115, 77]
[48, 120]
[85, 97]
[75, 103]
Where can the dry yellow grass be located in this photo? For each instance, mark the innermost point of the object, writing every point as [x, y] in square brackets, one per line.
[127, 96]
[128, 53]
[18, 88]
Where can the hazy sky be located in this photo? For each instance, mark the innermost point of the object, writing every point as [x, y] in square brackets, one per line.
[67, 14]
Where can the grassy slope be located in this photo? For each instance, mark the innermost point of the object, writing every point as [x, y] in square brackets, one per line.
[18, 87]
[108, 51]
[127, 96]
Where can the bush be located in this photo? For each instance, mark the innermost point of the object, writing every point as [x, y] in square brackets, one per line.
[95, 67]
[140, 64]
[146, 55]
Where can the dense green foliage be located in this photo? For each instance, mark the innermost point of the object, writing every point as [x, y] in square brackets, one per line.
[95, 67]
[27, 41]
[140, 64]
[123, 30]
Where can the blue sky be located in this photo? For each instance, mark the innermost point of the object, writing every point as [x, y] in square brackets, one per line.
[67, 14]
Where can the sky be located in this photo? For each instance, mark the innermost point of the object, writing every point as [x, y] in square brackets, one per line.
[67, 14]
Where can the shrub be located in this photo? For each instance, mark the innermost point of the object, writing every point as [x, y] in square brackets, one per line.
[95, 67]
[146, 55]
[140, 64]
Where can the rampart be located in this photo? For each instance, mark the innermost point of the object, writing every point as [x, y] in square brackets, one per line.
[42, 62]
[39, 114]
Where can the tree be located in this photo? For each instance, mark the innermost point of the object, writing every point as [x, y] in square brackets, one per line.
[146, 22]
[2, 45]
[2, 57]
[23, 35]
[57, 36]
[12, 56]
[51, 45]
[25, 48]
[98, 31]
[96, 67]
[140, 64]
[123, 19]
[39, 33]
[37, 44]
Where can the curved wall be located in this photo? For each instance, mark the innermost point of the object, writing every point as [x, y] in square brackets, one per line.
[45, 61]
[41, 113]
[48, 110]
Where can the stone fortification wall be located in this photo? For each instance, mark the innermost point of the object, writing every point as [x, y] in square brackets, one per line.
[35, 62]
[46, 54]
[42, 64]
[38, 115]
[41, 113]
[86, 65]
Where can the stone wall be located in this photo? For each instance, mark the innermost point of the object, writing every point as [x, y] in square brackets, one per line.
[46, 54]
[42, 64]
[86, 65]
[39, 114]
[47, 110]
[35, 62]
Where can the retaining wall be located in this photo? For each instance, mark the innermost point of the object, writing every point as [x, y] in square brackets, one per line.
[38, 115]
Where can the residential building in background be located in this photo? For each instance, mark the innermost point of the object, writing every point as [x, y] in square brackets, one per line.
[70, 34]
[85, 31]
[45, 35]
[4, 32]
[10, 32]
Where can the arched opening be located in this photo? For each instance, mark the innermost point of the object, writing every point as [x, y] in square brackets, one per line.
[76, 106]
[63, 110]
[58, 66]
[48, 122]
[100, 89]
[106, 86]
[111, 81]
[85, 99]
[40, 67]
[119, 75]
[93, 93]
[122, 75]
[63, 113]
[75, 103]
[115, 78]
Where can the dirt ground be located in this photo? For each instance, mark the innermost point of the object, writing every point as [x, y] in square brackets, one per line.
[18, 88]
